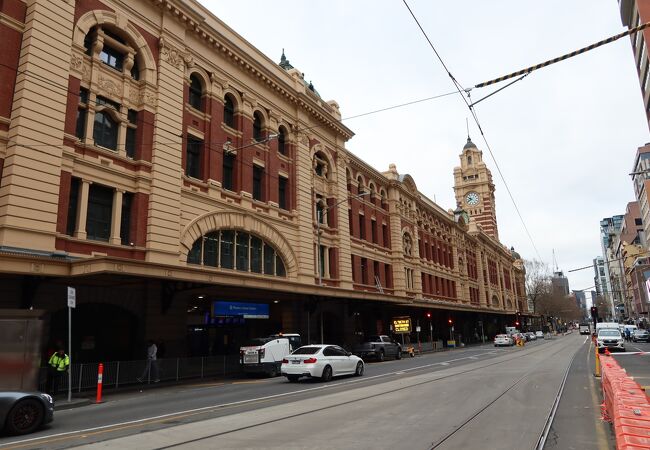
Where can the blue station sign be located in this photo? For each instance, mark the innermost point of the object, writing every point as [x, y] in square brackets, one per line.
[239, 309]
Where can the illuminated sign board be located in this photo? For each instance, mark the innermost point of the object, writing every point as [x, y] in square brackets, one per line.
[238, 309]
[401, 325]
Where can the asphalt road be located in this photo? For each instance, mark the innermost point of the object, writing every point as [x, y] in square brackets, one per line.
[480, 396]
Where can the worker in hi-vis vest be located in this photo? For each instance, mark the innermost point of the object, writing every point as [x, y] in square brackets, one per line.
[57, 367]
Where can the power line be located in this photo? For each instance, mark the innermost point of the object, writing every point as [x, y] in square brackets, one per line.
[527, 70]
[460, 90]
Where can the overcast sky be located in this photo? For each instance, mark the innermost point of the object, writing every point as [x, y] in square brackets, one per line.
[565, 137]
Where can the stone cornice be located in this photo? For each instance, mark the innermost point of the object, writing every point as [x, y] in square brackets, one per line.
[187, 13]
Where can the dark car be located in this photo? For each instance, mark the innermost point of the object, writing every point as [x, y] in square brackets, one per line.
[24, 412]
[378, 347]
[641, 335]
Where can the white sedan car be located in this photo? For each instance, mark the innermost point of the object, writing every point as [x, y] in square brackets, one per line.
[503, 340]
[321, 361]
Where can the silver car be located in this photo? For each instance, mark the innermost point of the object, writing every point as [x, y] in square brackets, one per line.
[641, 335]
[24, 412]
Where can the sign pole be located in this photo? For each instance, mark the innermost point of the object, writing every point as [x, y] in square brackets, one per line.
[72, 302]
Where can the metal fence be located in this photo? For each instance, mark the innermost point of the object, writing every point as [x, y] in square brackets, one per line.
[119, 374]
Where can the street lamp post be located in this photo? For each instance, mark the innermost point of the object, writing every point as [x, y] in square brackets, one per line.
[319, 217]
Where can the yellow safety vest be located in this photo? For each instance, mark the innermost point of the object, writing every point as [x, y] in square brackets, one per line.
[60, 363]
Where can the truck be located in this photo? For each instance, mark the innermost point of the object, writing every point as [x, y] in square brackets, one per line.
[264, 355]
[378, 347]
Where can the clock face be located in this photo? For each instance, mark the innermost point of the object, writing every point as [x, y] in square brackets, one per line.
[472, 199]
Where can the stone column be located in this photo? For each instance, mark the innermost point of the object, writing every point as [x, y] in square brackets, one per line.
[116, 218]
[82, 210]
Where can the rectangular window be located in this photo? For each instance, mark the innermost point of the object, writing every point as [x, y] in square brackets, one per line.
[100, 210]
[130, 133]
[384, 229]
[269, 260]
[80, 129]
[228, 170]
[111, 57]
[258, 176]
[193, 160]
[125, 221]
[362, 226]
[364, 270]
[373, 230]
[211, 249]
[256, 254]
[387, 276]
[375, 267]
[355, 274]
[242, 251]
[227, 249]
[73, 204]
[321, 260]
[282, 192]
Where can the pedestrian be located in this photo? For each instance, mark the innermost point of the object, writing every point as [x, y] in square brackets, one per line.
[151, 368]
[628, 334]
[57, 367]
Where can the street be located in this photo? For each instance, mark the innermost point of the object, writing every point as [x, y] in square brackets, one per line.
[479, 396]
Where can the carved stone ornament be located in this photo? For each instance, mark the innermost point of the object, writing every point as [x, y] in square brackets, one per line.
[139, 96]
[108, 86]
[174, 56]
[76, 62]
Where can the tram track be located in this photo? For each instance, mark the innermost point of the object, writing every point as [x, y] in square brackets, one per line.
[369, 397]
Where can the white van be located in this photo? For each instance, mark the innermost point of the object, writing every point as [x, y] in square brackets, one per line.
[264, 355]
[603, 325]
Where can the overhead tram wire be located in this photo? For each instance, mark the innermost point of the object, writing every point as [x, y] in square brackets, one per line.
[460, 91]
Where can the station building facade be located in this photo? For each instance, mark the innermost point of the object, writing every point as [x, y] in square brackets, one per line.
[157, 162]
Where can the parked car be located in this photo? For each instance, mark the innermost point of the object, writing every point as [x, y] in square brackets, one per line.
[264, 355]
[531, 336]
[503, 340]
[610, 338]
[539, 334]
[641, 335]
[321, 361]
[24, 412]
[378, 347]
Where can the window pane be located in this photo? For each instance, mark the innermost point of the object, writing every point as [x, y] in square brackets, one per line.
[100, 208]
[196, 91]
[282, 147]
[80, 130]
[130, 142]
[194, 256]
[211, 249]
[242, 251]
[256, 254]
[282, 192]
[111, 57]
[258, 175]
[105, 131]
[228, 165]
[227, 249]
[279, 267]
[269, 259]
[125, 222]
[193, 161]
[229, 112]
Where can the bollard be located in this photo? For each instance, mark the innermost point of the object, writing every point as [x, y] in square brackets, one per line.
[597, 372]
[100, 376]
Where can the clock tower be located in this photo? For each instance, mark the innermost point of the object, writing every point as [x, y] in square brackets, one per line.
[474, 189]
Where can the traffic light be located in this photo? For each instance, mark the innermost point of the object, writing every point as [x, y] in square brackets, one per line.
[594, 312]
[516, 324]
[451, 322]
[428, 314]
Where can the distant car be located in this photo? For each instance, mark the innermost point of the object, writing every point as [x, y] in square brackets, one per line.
[24, 412]
[539, 334]
[641, 335]
[378, 347]
[531, 336]
[321, 361]
[501, 340]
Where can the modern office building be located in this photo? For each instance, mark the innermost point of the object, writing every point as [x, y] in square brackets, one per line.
[196, 192]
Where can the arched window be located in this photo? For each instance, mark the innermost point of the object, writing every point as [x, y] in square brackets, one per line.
[229, 111]
[469, 160]
[258, 123]
[105, 130]
[321, 211]
[282, 144]
[238, 250]
[196, 92]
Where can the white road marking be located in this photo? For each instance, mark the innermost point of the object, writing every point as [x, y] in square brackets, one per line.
[224, 405]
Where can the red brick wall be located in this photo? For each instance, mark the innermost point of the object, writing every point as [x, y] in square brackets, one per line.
[64, 200]
[71, 107]
[83, 6]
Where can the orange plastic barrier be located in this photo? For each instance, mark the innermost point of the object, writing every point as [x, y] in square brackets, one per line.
[626, 405]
